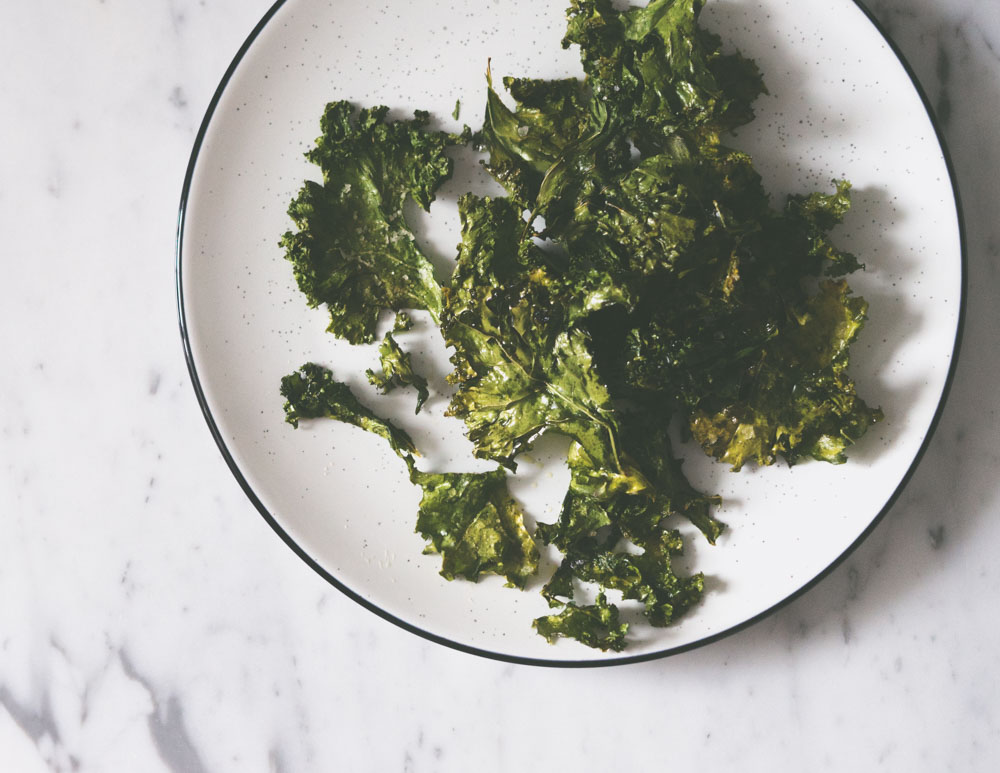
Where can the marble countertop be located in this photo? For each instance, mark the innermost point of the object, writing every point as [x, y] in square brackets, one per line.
[150, 620]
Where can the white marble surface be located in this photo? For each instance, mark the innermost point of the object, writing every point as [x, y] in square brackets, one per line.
[150, 620]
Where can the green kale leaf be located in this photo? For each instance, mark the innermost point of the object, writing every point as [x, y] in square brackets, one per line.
[520, 365]
[602, 513]
[397, 370]
[312, 393]
[476, 526]
[798, 399]
[595, 625]
[816, 214]
[661, 73]
[403, 322]
[646, 577]
[353, 251]
[524, 143]
[732, 336]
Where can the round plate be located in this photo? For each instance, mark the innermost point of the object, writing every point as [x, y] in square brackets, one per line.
[841, 104]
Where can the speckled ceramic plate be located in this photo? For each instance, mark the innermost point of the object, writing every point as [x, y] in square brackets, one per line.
[841, 104]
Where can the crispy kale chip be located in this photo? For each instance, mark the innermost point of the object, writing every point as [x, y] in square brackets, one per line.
[312, 393]
[550, 118]
[521, 366]
[397, 370]
[814, 216]
[596, 625]
[752, 357]
[659, 72]
[646, 577]
[603, 513]
[798, 400]
[352, 250]
[472, 521]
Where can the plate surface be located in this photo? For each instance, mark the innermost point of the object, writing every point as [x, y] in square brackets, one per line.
[841, 104]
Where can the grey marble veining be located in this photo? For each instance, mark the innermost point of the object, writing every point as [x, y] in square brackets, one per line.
[151, 621]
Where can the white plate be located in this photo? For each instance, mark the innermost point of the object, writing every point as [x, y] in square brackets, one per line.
[841, 104]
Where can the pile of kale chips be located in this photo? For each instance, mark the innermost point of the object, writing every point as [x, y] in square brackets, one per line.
[635, 274]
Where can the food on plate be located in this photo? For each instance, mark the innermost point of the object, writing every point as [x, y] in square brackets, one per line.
[397, 367]
[635, 274]
[313, 393]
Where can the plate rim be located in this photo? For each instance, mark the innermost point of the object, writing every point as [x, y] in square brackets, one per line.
[561, 662]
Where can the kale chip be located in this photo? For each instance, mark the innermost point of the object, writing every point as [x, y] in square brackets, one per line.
[312, 393]
[595, 625]
[476, 526]
[353, 251]
[397, 368]
[521, 366]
